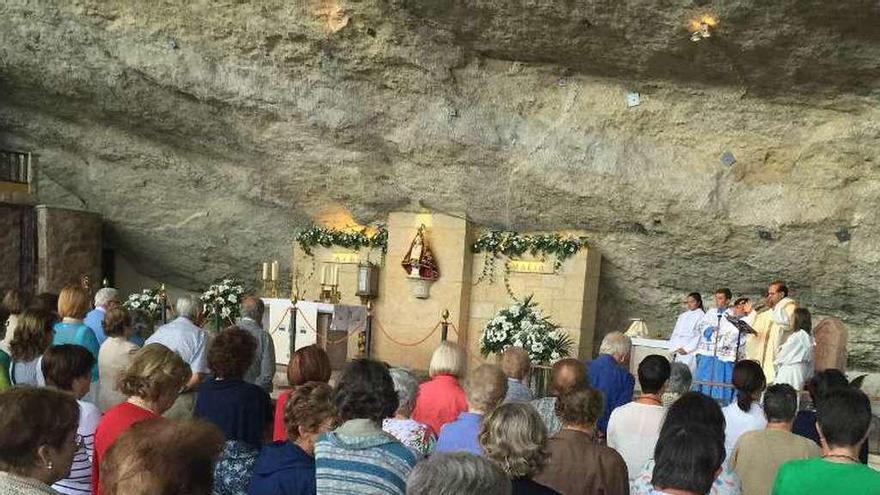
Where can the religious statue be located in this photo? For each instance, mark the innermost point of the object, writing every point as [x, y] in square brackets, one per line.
[419, 261]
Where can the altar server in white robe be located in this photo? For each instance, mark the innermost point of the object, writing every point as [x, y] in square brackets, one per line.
[686, 335]
[794, 361]
[717, 352]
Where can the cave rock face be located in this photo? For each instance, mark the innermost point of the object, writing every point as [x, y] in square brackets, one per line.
[205, 133]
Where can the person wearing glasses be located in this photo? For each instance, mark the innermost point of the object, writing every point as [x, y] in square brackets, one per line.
[68, 368]
[38, 439]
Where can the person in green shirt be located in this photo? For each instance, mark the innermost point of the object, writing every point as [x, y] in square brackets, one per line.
[844, 417]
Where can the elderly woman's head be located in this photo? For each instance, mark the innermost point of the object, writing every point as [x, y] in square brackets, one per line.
[231, 353]
[33, 335]
[156, 375]
[580, 408]
[514, 437]
[447, 360]
[308, 413]
[407, 387]
[38, 433]
[459, 473]
[308, 364]
[365, 391]
[485, 388]
[162, 456]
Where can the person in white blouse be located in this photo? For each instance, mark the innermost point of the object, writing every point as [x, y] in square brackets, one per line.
[686, 335]
[794, 361]
[745, 413]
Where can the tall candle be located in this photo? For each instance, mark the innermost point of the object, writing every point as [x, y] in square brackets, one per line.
[275, 271]
[336, 275]
[265, 271]
[323, 274]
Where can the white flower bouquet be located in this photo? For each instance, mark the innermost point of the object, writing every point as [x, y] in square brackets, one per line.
[222, 299]
[148, 301]
[524, 325]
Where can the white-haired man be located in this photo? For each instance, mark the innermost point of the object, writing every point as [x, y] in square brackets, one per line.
[105, 300]
[184, 337]
[609, 374]
[262, 370]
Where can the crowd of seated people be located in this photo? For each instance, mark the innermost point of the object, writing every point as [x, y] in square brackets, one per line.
[182, 412]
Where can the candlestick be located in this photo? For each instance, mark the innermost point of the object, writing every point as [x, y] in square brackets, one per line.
[275, 271]
[323, 274]
[265, 271]
[336, 275]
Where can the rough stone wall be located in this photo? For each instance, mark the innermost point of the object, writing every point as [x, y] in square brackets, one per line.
[68, 246]
[10, 246]
[205, 132]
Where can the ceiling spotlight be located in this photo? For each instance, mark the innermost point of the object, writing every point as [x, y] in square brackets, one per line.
[701, 27]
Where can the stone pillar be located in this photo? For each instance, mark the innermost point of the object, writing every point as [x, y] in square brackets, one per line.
[401, 318]
[69, 245]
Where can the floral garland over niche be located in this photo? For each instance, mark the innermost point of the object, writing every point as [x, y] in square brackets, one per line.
[524, 325]
[324, 237]
[497, 243]
[222, 300]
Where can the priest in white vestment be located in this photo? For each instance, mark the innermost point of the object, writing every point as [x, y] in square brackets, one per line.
[794, 361]
[775, 325]
[717, 351]
[688, 330]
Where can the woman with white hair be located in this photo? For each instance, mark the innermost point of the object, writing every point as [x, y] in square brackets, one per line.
[441, 399]
[417, 436]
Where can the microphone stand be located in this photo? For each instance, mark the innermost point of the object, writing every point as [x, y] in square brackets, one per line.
[715, 354]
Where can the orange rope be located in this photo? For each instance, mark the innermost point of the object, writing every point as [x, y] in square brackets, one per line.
[407, 344]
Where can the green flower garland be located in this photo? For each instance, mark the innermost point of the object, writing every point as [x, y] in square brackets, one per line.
[514, 245]
[317, 236]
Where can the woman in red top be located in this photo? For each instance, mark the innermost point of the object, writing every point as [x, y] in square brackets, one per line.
[441, 399]
[152, 383]
[308, 364]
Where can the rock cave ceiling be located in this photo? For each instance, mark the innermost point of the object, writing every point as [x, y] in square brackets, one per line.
[205, 132]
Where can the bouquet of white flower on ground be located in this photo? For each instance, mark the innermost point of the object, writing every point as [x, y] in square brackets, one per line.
[222, 299]
[147, 300]
[524, 325]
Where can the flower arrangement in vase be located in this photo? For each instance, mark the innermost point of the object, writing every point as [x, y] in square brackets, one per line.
[524, 325]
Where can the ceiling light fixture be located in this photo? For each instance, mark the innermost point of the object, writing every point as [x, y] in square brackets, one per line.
[701, 27]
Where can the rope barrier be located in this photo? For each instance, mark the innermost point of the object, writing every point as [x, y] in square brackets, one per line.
[406, 344]
[280, 322]
[452, 325]
[361, 328]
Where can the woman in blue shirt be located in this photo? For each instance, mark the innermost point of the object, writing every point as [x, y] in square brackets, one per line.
[73, 304]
